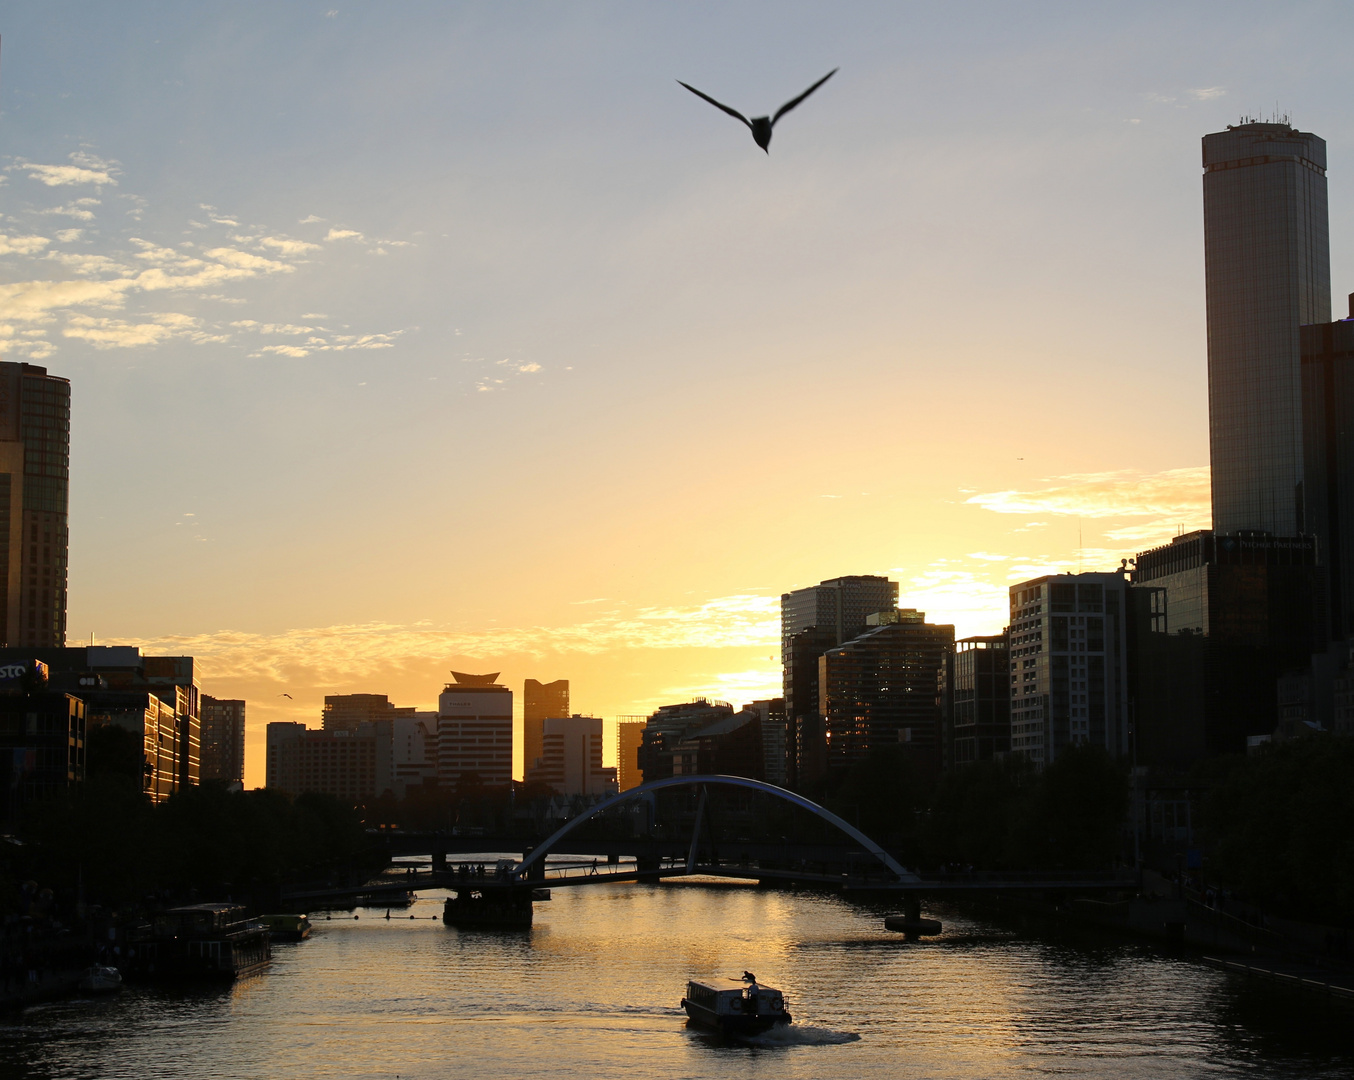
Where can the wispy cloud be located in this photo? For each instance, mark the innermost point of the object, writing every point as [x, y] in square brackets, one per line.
[22, 245]
[84, 169]
[1207, 93]
[1176, 495]
[333, 652]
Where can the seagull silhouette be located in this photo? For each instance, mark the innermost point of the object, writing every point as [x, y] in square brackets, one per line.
[761, 125]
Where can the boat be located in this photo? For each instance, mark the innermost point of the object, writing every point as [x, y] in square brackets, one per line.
[202, 941]
[100, 979]
[735, 1006]
[286, 927]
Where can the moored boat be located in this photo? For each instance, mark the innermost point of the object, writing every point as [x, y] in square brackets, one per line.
[286, 927]
[202, 941]
[100, 979]
[735, 1006]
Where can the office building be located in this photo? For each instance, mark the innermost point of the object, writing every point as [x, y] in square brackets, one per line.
[117, 682]
[666, 729]
[540, 702]
[774, 739]
[570, 762]
[629, 736]
[222, 739]
[413, 759]
[1069, 665]
[1328, 457]
[42, 740]
[1228, 616]
[35, 411]
[813, 620]
[1267, 270]
[345, 712]
[730, 745]
[975, 700]
[353, 766]
[879, 689]
[474, 731]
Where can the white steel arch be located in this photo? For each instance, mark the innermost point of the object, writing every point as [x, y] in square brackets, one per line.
[543, 849]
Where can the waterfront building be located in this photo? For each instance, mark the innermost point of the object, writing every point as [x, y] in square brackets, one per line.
[668, 726]
[474, 731]
[1069, 665]
[570, 761]
[1224, 618]
[222, 739]
[774, 738]
[975, 700]
[413, 760]
[629, 736]
[35, 410]
[104, 672]
[345, 764]
[879, 688]
[1267, 271]
[345, 712]
[42, 739]
[730, 745]
[813, 620]
[540, 701]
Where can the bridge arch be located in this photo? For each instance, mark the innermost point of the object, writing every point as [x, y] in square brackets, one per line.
[544, 848]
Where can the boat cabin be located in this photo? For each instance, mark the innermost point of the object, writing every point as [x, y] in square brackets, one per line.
[735, 998]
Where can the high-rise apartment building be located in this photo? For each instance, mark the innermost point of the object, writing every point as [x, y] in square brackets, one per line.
[1267, 268]
[975, 700]
[1069, 665]
[222, 739]
[571, 757]
[879, 688]
[838, 604]
[344, 712]
[1228, 616]
[354, 766]
[35, 425]
[474, 731]
[629, 736]
[540, 702]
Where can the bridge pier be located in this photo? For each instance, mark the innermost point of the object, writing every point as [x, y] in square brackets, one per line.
[439, 862]
[647, 865]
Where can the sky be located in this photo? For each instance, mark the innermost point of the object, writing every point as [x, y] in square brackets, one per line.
[405, 338]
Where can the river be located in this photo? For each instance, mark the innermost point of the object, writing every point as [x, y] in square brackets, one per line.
[592, 990]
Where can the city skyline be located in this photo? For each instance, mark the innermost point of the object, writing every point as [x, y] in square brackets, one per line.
[222, 506]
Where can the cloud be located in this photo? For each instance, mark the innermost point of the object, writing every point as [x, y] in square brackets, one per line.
[1207, 93]
[332, 653]
[286, 350]
[85, 169]
[1176, 495]
[79, 209]
[310, 219]
[108, 333]
[69, 236]
[287, 246]
[343, 234]
[22, 245]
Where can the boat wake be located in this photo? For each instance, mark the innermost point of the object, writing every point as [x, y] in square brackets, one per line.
[800, 1035]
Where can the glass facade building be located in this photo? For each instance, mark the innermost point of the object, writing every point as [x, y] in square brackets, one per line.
[1267, 269]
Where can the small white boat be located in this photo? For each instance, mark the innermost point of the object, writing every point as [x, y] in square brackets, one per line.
[735, 1006]
[100, 979]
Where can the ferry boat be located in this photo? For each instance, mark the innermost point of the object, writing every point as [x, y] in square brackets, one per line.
[735, 1006]
[100, 979]
[202, 941]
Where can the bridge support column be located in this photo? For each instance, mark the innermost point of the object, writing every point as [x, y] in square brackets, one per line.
[647, 865]
[439, 862]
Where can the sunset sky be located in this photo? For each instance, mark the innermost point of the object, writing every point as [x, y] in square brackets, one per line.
[408, 337]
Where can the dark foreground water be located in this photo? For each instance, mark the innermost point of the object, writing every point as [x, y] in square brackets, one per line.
[593, 989]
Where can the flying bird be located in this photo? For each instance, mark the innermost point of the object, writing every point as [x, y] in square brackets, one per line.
[287, 696]
[761, 125]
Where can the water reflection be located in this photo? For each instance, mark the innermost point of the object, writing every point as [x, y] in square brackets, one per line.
[593, 989]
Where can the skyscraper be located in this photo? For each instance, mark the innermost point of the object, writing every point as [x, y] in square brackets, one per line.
[222, 738]
[35, 413]
[474, 731]
[540, 702]
[1267, 268]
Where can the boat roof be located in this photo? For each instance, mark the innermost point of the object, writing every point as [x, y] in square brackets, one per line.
[725, 985]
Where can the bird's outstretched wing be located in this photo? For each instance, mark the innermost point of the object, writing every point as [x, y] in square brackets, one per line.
[795, 101]
[717, 105]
